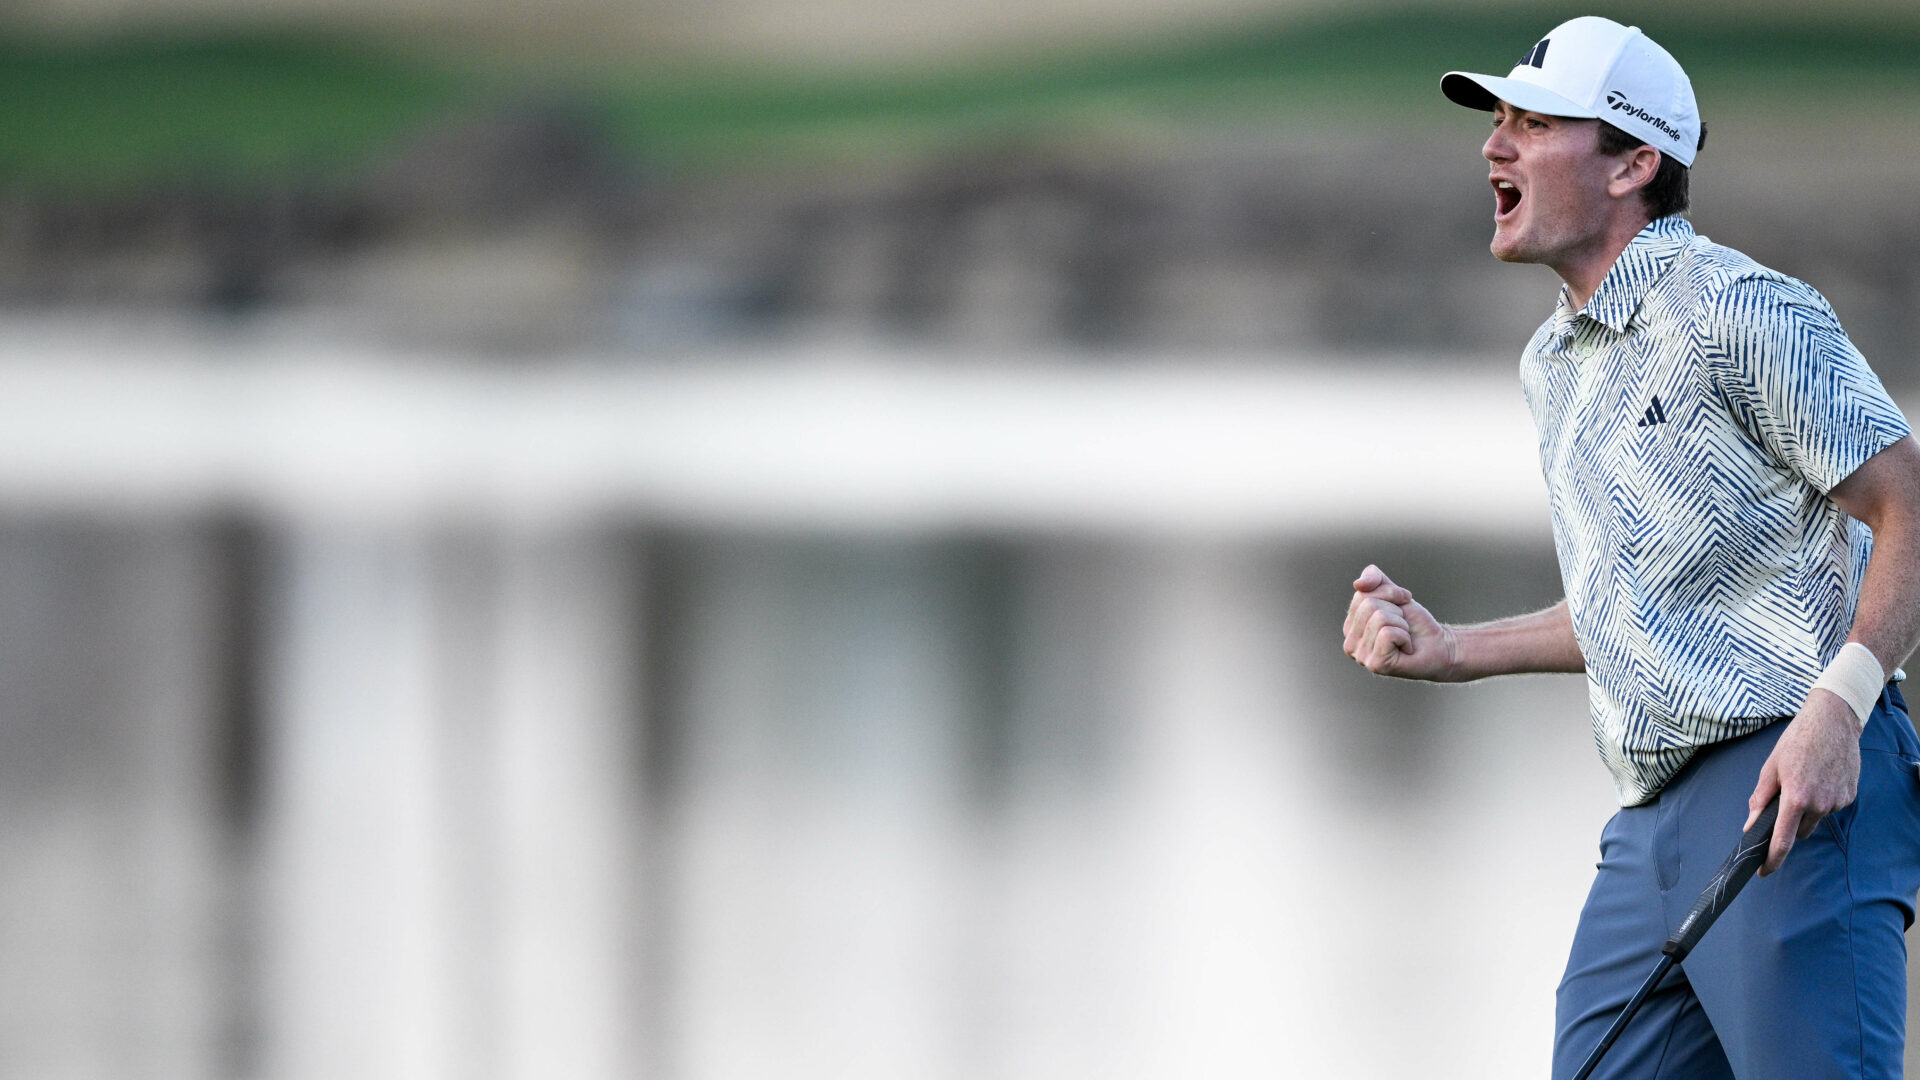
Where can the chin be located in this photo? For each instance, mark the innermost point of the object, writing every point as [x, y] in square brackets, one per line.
[1509, 249]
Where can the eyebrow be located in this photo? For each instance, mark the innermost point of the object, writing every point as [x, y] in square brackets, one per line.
[1510, 110]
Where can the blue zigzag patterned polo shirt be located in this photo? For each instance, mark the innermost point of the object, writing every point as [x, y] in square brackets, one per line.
[1691, 419]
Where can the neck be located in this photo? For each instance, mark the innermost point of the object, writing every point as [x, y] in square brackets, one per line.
[1584, 269]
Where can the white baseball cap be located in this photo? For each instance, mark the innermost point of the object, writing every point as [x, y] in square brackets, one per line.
[1594, 68]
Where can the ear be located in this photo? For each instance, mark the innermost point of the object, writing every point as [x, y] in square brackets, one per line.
[1635, 171]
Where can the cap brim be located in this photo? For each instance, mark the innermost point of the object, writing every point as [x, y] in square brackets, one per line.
[1481, 91]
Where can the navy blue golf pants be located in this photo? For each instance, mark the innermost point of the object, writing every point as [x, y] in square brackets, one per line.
[1805, 975]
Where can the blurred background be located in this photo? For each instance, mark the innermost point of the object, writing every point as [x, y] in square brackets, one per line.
[745, 540]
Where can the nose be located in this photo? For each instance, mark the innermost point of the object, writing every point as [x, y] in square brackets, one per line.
[1498, 147]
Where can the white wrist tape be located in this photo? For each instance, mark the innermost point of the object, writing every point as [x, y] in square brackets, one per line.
[1856, 677]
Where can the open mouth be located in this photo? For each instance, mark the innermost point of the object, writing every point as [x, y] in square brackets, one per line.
[1506, 198]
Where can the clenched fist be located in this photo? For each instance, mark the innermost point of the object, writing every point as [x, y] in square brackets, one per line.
[1389, 633]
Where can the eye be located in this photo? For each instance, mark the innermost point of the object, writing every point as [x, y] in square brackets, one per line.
[1535, 123]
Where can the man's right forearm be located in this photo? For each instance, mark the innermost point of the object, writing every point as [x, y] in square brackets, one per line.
[1542, 641]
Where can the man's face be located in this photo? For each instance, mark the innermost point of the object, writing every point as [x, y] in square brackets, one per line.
[1550, 186]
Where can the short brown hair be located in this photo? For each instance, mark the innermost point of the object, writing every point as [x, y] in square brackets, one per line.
[1666, 193]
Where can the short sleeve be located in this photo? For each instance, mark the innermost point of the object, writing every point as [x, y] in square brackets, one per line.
[1777, 354]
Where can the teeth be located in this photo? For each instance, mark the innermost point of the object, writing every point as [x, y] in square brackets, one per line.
[1503, 184]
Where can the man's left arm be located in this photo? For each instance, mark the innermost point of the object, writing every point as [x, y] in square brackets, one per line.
[1815, 767]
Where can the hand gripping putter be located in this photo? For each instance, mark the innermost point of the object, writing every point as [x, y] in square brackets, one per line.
[1726, 884]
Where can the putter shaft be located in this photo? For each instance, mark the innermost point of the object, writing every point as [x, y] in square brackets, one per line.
[1620, 1022]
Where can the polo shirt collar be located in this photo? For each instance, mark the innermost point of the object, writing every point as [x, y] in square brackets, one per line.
[1646, 257]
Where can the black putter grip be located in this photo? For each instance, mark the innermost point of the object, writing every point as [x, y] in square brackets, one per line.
[1726, 884]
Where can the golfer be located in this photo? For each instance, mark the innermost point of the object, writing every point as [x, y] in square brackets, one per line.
[1736, 510]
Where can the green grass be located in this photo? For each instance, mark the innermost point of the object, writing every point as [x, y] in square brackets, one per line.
[232, 110]
[242, 110]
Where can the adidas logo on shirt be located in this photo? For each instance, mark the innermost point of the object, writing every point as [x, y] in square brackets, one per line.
[1655, 414]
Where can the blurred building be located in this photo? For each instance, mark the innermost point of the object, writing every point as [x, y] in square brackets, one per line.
[333, 750]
